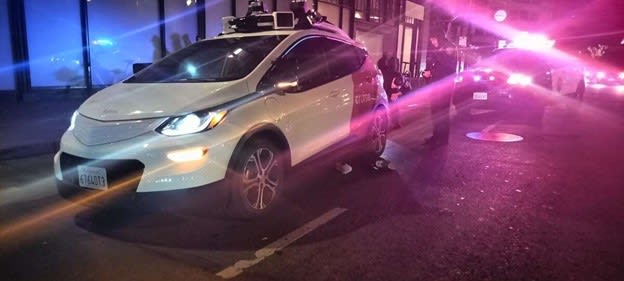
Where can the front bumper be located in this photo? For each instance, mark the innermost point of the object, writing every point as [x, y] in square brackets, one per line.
[213, 196]
[145, 157]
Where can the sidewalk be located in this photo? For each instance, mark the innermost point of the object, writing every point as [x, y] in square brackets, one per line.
[34, 126]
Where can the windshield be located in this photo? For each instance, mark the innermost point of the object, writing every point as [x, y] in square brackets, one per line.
[210, 61]
[516, 60]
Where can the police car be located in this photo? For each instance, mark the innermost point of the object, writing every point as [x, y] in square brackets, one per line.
[230, 114]
[525, 76]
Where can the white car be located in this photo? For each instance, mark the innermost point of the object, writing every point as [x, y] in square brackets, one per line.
[239, 109]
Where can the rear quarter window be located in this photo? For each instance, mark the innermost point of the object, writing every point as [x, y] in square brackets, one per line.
[343, 58]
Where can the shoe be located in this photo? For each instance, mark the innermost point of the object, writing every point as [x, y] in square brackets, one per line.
[343, 168]
[383, 165]
[428, 141]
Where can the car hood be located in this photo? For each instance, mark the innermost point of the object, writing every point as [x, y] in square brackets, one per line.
[132, 101]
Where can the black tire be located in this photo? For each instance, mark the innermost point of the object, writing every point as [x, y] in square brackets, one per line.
[462, 100]
[580, 90]
[463, 111]
[256, 179]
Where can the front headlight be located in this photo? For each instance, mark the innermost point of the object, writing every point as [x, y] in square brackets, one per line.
[191, 123]
[72, 122]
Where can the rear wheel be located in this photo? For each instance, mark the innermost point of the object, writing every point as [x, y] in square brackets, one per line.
[580, 90]
[375, 142]
[463, 103]
[256, 179]
[463, 111]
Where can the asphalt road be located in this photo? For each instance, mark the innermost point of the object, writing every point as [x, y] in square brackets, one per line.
[549, 207]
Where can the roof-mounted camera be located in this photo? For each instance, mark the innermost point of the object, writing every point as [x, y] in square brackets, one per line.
[258, 19]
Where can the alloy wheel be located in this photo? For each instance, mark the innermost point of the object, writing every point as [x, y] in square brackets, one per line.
[379, 132]
[261, 178]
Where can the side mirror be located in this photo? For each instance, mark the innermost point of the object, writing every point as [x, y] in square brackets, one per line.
[284, 87]
[136, 67]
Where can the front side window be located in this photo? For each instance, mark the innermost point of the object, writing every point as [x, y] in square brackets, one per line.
[304, 63]
[215, 60]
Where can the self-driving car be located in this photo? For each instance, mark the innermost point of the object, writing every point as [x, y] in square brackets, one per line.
[233, 114]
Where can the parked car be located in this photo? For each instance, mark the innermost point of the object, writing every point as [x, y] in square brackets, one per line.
[229, 115]
[605, 75]
[519, 79]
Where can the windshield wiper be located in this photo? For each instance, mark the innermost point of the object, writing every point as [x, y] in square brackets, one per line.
[194, 80]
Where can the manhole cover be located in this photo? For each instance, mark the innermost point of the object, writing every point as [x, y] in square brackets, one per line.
[498, 137]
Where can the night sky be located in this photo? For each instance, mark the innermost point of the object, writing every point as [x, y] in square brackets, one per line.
[596, 20]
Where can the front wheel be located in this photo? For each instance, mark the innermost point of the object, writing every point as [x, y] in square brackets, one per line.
[256, 179]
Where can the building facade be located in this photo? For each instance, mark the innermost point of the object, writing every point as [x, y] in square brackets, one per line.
[56, 47]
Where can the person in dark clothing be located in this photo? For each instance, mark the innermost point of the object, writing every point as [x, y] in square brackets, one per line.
[389, 66]
[441, 66]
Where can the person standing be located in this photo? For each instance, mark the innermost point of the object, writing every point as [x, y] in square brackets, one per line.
[389, 67]
[441, 67]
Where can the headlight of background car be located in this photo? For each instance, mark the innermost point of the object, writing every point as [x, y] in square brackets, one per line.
[519, 79]
[191, 123]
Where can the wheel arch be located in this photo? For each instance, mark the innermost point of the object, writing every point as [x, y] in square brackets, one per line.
[268, 131]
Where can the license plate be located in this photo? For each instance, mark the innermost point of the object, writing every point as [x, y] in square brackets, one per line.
[480, 96]
[92, 177]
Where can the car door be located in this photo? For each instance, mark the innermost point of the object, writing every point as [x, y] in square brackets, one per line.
[309, 107]
[562, 76]
[575, 74]
[355, 77]
[344, 61]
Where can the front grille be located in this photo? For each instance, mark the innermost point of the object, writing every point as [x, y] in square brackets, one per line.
[93, 132]
[117, 171]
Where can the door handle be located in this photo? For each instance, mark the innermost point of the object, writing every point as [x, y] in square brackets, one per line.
[334, 93]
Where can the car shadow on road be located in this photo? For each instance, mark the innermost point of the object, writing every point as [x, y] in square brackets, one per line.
[369, 195]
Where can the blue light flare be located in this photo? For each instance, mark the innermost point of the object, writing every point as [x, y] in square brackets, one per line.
[191, 69]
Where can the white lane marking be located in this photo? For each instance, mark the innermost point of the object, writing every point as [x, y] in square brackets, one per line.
[238, 267]
[490, 127]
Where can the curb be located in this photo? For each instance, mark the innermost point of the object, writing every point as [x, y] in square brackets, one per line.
[28, 150]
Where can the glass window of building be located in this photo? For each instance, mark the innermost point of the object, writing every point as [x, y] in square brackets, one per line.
[6, 62]
[180, 24]
[121, 33]
[54, 43]
[215, 10]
